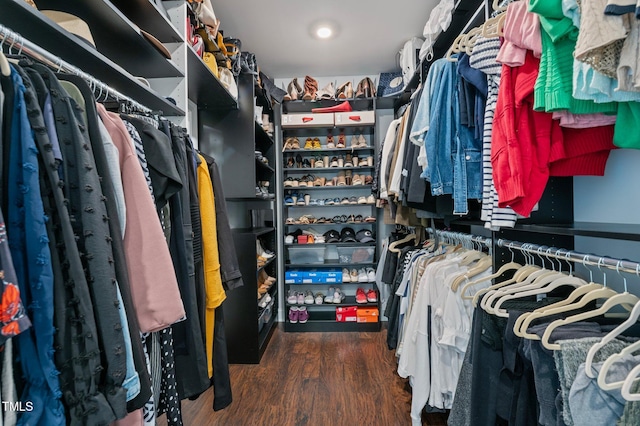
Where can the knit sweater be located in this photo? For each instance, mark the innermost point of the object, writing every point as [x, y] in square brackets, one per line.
[523, 141]
[553, 87]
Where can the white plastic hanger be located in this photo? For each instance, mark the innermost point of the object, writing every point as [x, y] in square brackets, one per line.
[392, 246]
[628, 382]
[5, 68]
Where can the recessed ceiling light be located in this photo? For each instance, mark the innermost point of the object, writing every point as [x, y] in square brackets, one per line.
[324, 29]
[324, 32]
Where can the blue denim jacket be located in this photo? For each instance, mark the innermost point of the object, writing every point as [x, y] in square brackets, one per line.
[453, 154]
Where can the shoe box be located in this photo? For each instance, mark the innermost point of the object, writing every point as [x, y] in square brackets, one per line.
[313, 276]
[347, 314]
[368, 315]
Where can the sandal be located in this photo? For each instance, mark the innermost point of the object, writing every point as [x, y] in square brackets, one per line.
[348, 162]
[289, 182]
[330, 142]
[370, 219]
[291, 162]
[341, 181]
[287, 144]
[334, 162]
[322, 220]
[354, 142]
[295, 144]
[289, 201]
[358, 219]
[368, 180]
[290, 221]
[352, 219]
[319, 163]
[320, 181]
[357, 180]
[316, 143]
[342, 141]
[299, 161]
[306, 164]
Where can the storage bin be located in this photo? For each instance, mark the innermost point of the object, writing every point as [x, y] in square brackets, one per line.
[307, 120]
[265, 316]
[355, 118]
[355, 254]
[306, 255]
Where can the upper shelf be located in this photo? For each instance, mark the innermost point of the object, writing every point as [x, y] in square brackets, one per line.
[19, 16]
[358, 104]
[150, 17]
[116, 37]
[618, 231]
[204, 87]
[263, 140]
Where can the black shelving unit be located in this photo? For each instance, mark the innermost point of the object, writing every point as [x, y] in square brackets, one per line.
[329, 188]
[358, 104]
[332, 244]
[330, 264]
[327, 169]
[204, 87]
[325, 149]
[148, 16]
[20, 17]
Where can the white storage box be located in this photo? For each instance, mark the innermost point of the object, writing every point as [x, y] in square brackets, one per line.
[307, 120]
[355, 118]
[362, 254]
[306, 255]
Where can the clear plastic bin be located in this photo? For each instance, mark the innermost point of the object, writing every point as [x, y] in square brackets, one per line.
[356, 254]
[306, 255]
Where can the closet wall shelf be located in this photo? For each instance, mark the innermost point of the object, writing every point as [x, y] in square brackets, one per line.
[332, 244]
[262, 168]
[116, 37]
[311, 188]
[52, 38]
[618, 231]
[329, 224]
[204, 88]
[257, 231]
[359, 104]
[325, 169]
[341, 206]
[263, 140]
[329, 264]
[348, 300]
[332, 325]
[149, 16]
[267, 263]
[311, 151]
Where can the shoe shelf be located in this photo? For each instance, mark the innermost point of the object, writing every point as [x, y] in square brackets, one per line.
[267, 263]
[325, 169]
[262, 168]
[328, 264]
[263, 140]
[257, 231]
[360, 104]
[348, 301]
[205, 89]
[356, 244]
[331, 224]
[333, 205]
[311, 151]
[326, 284]
[332, 187]
[332, 326]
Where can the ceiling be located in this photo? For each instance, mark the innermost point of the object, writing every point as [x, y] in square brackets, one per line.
[371, 32]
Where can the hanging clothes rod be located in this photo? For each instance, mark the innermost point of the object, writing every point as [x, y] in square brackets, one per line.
[619, 265]
[39, 54]
[461, 237]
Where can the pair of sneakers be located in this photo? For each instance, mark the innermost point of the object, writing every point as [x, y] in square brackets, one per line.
[368, 296]
[334, 295]
[298, 314]
[361, 275]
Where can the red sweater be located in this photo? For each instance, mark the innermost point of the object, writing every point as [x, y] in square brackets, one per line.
[523, 141]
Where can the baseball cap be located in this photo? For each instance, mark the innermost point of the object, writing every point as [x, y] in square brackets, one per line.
[365, 236]
[348, 235]
[332, 236]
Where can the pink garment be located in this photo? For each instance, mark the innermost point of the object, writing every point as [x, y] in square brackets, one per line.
[154, 286]
[133, 419]
[521, 33]
[583, 121]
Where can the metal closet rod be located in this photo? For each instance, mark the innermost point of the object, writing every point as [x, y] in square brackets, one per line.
[462, 237]
[619, 265]
[41, 55]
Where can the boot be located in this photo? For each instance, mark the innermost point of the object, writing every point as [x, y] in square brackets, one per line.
[294, 91]
[310, 89]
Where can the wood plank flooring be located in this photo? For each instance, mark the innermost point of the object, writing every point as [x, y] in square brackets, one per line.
[315, 379]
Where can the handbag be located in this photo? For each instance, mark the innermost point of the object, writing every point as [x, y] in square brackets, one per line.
[211, 62]
[390, 84]
[227, 80]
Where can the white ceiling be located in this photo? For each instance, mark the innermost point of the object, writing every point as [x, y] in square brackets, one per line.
[277, 31]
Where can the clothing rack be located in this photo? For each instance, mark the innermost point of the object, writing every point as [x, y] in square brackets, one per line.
[619, 265]
[462, 238]
[31, 49]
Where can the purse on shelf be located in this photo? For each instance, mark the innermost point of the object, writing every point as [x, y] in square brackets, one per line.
[227, 80]
[211, 62]
[390, 84]
[205, 14]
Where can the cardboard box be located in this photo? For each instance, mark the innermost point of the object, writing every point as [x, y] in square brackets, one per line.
[347, 314]
[368, 315]
[313, 276]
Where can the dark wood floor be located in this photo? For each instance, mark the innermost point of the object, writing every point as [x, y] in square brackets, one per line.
[315, 379]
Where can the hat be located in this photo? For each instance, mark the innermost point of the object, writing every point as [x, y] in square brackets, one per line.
[157, 44]
[365, 236]
[71, 23]
[332, 236]
[348, 235]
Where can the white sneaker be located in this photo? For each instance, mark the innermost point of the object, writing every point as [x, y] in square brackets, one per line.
[346, 278]
[265, 301]
[308, 297]
[319, 298]
[292, 298]
[371, 275]
[329, 297]
[362, 276]
[338, 296]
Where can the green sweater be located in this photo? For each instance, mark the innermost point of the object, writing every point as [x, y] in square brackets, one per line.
[553, 88]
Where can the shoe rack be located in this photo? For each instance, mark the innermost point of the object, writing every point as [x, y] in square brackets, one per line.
[247, 156]
[330, 193]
